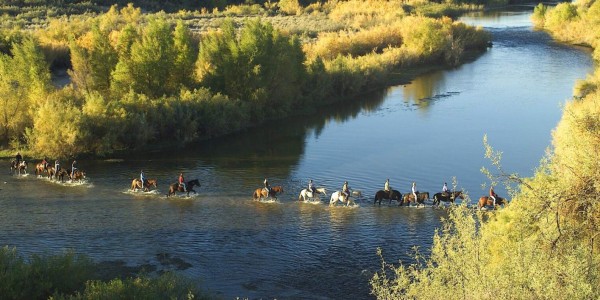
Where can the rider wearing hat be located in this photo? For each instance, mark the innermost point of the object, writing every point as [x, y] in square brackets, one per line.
[345, 189]
[311, 187]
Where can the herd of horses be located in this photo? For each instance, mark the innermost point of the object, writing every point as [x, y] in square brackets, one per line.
[392, 195]
[48, 170]
[260, 193]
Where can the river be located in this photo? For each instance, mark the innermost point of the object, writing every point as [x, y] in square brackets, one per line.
[429, 131]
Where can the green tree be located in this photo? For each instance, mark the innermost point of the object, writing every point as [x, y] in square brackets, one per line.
[260, 65]
[24, 84]
[92, 68]
[150, 63]
[57, 129]
[185, 56]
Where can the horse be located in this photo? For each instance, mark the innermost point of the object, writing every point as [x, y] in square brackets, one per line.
[40, 168]
[189, 187]
[409, 197]
[148, 183]
[390, 195]
[357, 194]
[447, 197]
[488, 201]
[78, 175]
[61, 173]
[340, 197]
[308, 195]
[261, 193]
[21, 166]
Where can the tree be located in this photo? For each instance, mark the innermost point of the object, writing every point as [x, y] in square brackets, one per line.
[259, 65]
[24, 84]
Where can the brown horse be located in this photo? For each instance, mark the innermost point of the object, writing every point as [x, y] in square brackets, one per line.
[261, 193]
[41, 168]
[148, 183]
[189, 187]
[78, 175]
[447, 197]
[487, 201]
[390, 195]
[409, 197]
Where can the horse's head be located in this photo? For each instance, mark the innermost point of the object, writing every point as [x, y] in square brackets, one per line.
[458, 194]
[152, 182]
[194, 182]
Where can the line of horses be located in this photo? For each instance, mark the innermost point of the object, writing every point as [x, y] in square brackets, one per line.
[307, 195]
[260, 193]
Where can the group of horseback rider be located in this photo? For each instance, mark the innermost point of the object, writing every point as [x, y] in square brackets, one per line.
[57, 167]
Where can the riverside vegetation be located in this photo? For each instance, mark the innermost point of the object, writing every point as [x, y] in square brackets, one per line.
[140, 80]
[545, 244]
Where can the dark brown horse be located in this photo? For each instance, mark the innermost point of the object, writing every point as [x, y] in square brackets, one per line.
[447, 197]
[487, 201]
[189, 187]
[261, 193]
[61, 173]
[148, 183]
[391, 195]
[409, 197]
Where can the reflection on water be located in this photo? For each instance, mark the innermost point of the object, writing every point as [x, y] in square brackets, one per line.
[427, 131]
[424, 90]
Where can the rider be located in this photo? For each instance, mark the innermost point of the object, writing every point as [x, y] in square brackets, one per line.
[267, 186]
[73, 168]
[18, 158]
[414, 190]
[346, 190]
[45, 163]
[56, 166]
[142, 178]
[493, 195]
[445, 189]
[386, 186]
[311, 188]
[181, 181]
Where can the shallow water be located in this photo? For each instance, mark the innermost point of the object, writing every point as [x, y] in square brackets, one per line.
[428, 131]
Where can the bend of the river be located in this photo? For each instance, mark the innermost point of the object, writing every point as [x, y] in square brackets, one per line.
[429, 132]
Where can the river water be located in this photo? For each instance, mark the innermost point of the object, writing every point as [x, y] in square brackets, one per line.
[429, 131]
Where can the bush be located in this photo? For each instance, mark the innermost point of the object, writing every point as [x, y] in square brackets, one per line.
[41, 276]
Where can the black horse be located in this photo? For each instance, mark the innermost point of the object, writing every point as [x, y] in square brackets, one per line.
[447, 197]
[391, 195]
[189, 187]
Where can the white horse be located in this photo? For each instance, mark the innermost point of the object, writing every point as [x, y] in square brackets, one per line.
[306, 195]
[340, 197]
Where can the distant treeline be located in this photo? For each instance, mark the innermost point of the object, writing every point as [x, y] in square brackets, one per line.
[176, 5]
